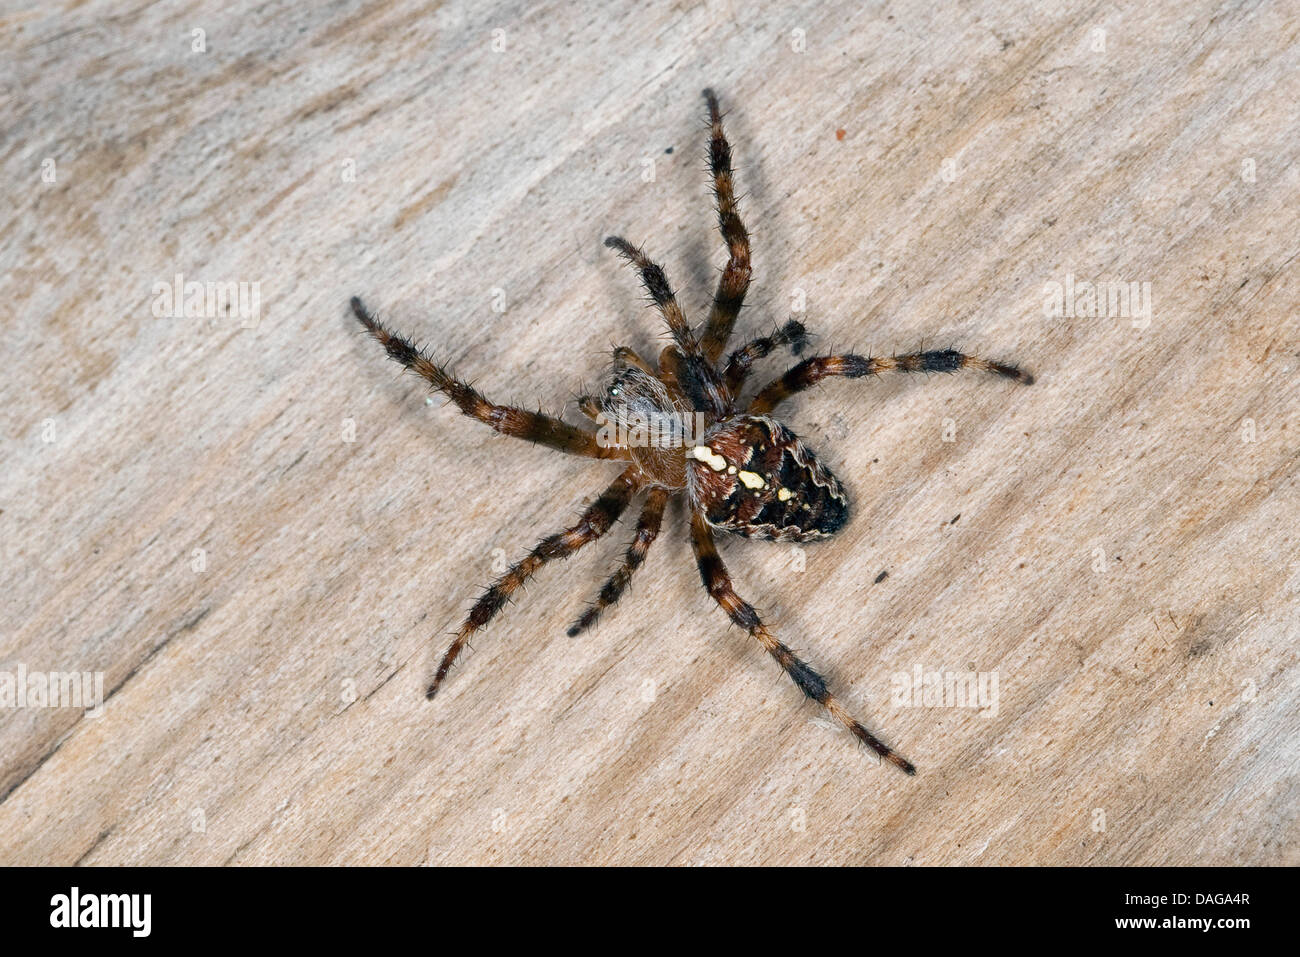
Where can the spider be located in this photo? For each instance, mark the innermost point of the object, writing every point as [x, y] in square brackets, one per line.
[743, 472]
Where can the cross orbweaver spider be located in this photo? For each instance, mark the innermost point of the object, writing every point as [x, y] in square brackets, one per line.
[746, 473]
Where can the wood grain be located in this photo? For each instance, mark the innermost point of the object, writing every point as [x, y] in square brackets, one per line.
[261, 535]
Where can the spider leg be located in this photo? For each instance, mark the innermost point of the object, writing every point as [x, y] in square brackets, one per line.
[595, 522]
[792, 334]
[508, 420]
[734, 281]
[647, 529]
[661, 292]
[811, 371]
[696, 376]
[627, 356]
[718, 583]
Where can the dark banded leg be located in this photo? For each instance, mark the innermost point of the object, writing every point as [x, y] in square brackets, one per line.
[792, 334]
[595, 522]
[661, 293]
[718, 583]
[734, 281]
[696, 376]
[811, 371]
[508, 420]
[647, 529]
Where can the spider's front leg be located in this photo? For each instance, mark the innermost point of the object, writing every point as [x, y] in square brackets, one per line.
[811, 371]
[660, 290]
[595, 522]
[734, 281]
[694, 373]
[718, 583]
[506, 419]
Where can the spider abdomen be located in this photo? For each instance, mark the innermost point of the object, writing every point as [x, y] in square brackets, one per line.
[753, 476]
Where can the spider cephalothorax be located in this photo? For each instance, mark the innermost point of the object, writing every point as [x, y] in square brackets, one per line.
[680, 428]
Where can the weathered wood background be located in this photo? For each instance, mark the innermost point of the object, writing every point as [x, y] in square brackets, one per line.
[261, 535]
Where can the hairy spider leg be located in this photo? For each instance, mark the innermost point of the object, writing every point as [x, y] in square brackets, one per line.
[718, 583]
[595, 522]
[740, 362]
[734, 281]
[811, 371]
[696, 375]
[647, 530]
[506, 419]
[661, 292]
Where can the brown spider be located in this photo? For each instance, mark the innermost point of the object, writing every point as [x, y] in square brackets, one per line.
[743, 472]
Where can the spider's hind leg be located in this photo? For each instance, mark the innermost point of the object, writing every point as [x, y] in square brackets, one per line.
[718, 583]
[647, 530]
[595, 522]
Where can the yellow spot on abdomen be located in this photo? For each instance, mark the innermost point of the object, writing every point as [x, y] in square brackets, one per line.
[751, 479]
[709, 457]
[784, 494]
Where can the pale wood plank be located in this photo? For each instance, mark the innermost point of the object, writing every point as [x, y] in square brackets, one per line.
[267, 708]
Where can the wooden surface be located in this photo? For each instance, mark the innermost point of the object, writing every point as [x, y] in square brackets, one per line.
[261, 535]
